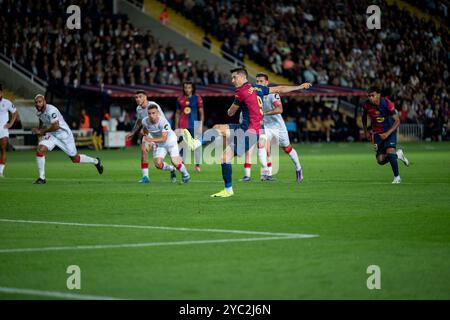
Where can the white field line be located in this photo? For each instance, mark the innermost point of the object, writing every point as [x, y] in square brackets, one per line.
[98, 225]
[54, 294]
[144, 245]
[267, 237]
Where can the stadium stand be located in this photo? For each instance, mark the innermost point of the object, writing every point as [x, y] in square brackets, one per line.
[328, 43]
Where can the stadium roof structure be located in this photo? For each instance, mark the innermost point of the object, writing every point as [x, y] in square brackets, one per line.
[215, 90]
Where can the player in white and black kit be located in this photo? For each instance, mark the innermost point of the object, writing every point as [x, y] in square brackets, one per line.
[164, 141]
[275, 131]
[142, 112]
[54, 131]
[6, 108]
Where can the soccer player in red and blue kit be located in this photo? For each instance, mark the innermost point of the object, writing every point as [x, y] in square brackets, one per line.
[248, 97]
[190, 115]
[385, 121]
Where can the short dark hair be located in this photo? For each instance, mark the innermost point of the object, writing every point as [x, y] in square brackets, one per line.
[262, 75]
[192, 84]
[153, 106]
[374, 89]
[141, 91]
[241, 71]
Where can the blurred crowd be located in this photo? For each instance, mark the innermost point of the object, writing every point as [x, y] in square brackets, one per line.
[108, 49]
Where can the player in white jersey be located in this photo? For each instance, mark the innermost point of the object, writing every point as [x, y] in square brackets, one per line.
[275, 131]
[54, 131]
[142, 112]
[6, 107]
[164, 141]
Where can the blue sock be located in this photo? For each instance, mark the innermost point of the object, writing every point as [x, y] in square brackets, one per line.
[226, 174]
[394, 164]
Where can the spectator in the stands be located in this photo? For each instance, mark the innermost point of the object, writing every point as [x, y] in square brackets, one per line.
[85, 120]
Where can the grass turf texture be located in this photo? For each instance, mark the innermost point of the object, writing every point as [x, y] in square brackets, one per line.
[346, 198]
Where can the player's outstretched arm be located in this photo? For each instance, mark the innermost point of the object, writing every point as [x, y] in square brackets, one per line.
[287, 89]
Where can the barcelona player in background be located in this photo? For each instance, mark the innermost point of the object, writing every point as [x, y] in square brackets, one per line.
[190, 115]
[385, 121]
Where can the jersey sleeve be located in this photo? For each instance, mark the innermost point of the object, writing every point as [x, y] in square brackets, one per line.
[12, 108]
[200, 102]
[264, 90]
[164, 126]
[237, 99]
[54, 115]
[390, 106]
[276, 100]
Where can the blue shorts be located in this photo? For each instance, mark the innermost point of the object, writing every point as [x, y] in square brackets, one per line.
[382, 145]
[241, 140]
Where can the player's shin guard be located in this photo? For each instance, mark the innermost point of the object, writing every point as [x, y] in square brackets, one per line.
[294, 157]
[40, 162]
[182, 168]
[87, 159]
[248, 169]
[262, 155]
[394, 164]
[227, 176]
[144, 168]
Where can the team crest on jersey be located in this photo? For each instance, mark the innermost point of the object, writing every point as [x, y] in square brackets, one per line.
[187, 102]
[187, 110]
[380, 119]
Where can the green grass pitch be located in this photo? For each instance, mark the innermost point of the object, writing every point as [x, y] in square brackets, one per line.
[346, 199]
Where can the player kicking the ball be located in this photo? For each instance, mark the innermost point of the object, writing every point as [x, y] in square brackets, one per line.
[164, 141]
[385, 121]
[249, 98]
[275, 130]
[54, 131]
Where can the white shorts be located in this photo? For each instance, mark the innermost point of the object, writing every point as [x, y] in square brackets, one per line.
[275, 134]
[67, 145]
[4, 133]
[160, 151]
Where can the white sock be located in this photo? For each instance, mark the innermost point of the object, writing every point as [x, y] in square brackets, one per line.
[86, 159]
[269, 170]
[198, 156]
[2, 167]
[183, 170]
[229, 189]
[145, 172]
[197, 143]
[168, 167]
[262, 155]
[294, 158]
[40, 161]
[248, 171]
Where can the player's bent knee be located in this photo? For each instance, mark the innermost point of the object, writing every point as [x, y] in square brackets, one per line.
[287, 149]
[41, 149]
